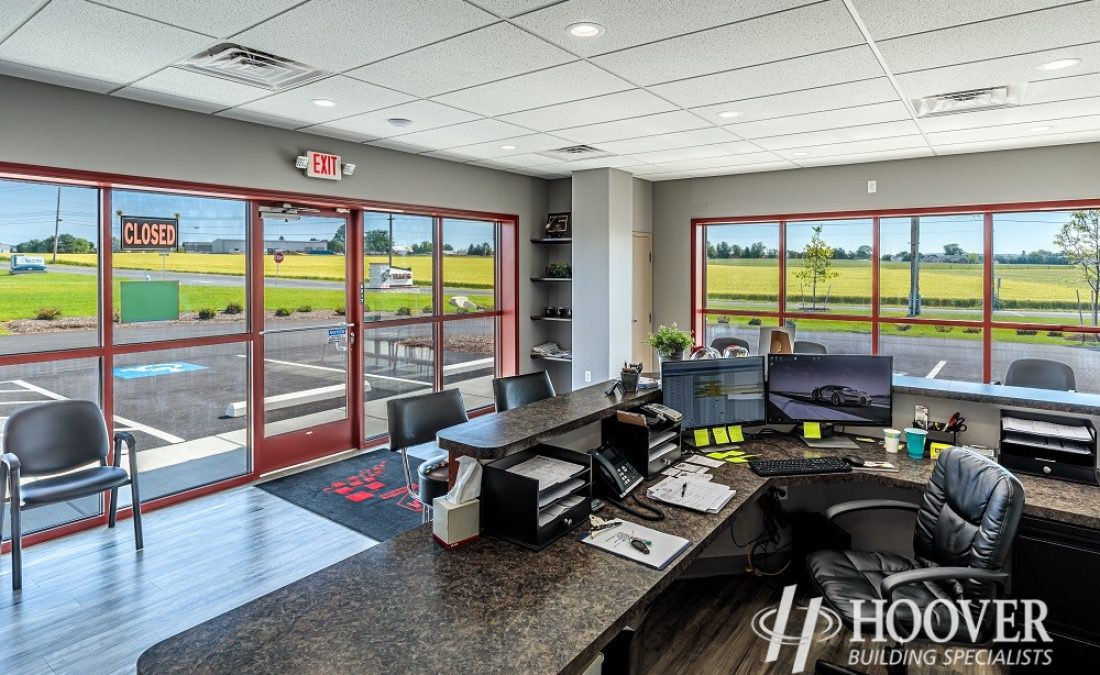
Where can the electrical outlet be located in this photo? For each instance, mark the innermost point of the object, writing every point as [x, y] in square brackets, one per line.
[781, 493]
[588, 376]
[872, 187]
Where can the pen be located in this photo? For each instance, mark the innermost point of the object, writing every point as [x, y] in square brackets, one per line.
[684, 490]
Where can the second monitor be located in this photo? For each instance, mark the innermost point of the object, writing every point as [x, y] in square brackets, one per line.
[714, 392]
[842, 389]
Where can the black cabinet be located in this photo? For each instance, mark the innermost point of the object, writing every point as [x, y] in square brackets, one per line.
[650, 449]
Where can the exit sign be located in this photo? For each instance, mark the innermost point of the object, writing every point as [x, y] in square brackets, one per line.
[322, 165]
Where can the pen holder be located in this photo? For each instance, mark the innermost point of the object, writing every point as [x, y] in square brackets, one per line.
[630, 381]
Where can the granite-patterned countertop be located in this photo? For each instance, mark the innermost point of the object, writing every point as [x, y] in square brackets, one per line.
[999, 394]
[494, 436]
[492, 607]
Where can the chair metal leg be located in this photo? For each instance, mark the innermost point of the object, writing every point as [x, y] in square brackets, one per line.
[139, 541]
[16, 542]
[112, 515]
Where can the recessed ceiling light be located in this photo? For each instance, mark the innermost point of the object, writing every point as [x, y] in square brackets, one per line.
[585, 29]
[507, 147]
[1060, 64]
[324, 102]
[399, 122]
[729, 113]
[799, 154]
[1041, 127]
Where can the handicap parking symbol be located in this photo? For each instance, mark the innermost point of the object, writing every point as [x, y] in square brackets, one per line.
[155, 369]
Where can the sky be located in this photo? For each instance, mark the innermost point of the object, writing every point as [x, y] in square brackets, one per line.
[28, 210]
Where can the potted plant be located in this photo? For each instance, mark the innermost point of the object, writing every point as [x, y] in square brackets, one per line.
[670, 342]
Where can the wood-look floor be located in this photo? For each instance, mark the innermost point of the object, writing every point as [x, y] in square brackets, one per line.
[90, 604]
[703, 627]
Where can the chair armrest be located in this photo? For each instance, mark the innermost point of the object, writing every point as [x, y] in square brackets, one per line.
[895, 581]
[842, 508]
[10, 465]
[127, 438]
[10, 462]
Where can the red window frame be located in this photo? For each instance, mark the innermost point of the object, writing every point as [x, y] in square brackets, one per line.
[697, 298]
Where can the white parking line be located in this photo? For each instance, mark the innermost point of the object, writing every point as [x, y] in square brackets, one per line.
[936, 371]
[20, 402]
[35, 388]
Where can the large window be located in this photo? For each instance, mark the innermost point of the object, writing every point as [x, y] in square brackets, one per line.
[919, 286]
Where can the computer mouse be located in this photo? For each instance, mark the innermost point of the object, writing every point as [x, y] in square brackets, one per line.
[854, 460]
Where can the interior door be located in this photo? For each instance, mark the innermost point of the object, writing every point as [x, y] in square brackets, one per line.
[642, 315]
[306, 345]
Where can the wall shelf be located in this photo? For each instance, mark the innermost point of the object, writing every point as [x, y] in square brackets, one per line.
[551, 279]
[554, 359]
[551, 318]
[547, 240]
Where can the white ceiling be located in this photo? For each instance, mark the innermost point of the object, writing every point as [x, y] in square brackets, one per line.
[816, 82]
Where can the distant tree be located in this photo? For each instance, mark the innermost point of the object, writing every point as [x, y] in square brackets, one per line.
[953, 249]
[484, 248]
[712, 252]
[377, 241]
[339, 243]
[66, 243]
[817, 265]
[722, 250]
[448, 247]
[887, 257]
[1079, 242]
[423, 248]
[864, 252]
[758, 250]
[840, 254]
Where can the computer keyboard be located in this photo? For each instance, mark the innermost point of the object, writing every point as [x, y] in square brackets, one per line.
[798, 467]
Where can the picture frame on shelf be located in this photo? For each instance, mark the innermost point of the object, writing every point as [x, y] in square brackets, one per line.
[558, 225]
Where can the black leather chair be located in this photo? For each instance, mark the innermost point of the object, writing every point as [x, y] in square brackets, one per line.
[807, 347]
[721, 343]
[512, 392]
[416, 420]
[966, 522]
[59, 440]
[1041, 374]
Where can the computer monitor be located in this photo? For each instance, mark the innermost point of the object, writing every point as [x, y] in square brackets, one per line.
[713, 392]
[841, 389]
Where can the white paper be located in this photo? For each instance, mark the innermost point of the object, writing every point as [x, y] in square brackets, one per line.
[556, 492]
[1066, 431]
[662, 547]
[704, 461]
[661, 450]
[693, 494]
[546, 470]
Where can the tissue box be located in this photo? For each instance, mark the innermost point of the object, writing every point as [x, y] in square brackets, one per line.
[455, 524]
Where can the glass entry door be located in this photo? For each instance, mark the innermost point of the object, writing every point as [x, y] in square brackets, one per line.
[306, 343]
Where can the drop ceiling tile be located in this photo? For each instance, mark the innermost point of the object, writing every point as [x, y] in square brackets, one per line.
[79, 38]
[1018, 142]
[351, 96]
[680, 139]
[595, 163]
[1007, 70]
[400, 146]
[892, 18]
[522, 145]
[639, 21]
[492, 53]
[529, 160]
[806, 30]
[467, 133]
[212, 17]
[424, 114]
[746, 159]
[805, 72]
[646, 169]
[853, 148]
[1064, 88]
[260, 118]
[1036, 31]
[865, 132]
[322, 130]
[15, 12]
[819, 121]
[513, 7]
[832, 97]
[722, 171]
[1025, 131]
[569, 82]
[695, 152]
[54, 77]
[339, 34]
[861, 158]
[1038, 113]
[662, 123]
[633, 103]
[204, 92]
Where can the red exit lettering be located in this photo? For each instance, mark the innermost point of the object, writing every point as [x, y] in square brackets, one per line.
[322, 165]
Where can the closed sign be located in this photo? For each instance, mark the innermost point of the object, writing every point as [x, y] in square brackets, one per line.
[322, 165]
[140, 233]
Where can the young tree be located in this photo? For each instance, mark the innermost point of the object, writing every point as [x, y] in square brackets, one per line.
[952, 249]
[377, 241]
[338, 243]
[817, 265]
[722, 250]
[1079, 242]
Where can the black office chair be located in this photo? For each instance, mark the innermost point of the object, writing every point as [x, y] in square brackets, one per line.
[512, 392]
[1041, 374]
[416, 420]
[721, 343]
[62, 438]
[807, 347]
[966, 522]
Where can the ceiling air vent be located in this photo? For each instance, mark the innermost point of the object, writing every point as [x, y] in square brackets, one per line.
[251, 67]
[575, 152]
[968, 101]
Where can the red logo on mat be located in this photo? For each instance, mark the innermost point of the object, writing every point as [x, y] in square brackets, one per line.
[369, 485]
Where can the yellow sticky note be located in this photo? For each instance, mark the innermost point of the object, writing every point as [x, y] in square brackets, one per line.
[720, 436]
[811, 429]
[702, 437]
[740, 460]
[716, 455]
[736, 435]
[935, 449]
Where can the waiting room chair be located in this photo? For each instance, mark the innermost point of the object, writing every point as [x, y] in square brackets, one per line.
[721, 343]
[415, 421]
[512, 392]
[966, 522]
[1041, 374]
[807, 347]
[59, 440]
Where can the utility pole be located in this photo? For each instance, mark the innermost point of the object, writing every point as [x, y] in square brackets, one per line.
[914, 266]
[57, 223]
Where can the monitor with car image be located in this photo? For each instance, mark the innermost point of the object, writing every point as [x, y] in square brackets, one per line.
[839, 389]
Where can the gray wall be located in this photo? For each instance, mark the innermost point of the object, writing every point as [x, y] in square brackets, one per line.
[1038, 174]
[53, 126]
[643, 206]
